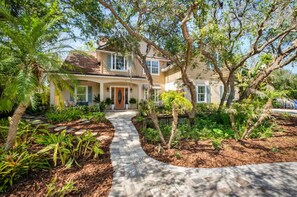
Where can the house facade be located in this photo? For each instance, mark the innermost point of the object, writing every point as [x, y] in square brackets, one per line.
[107, 74]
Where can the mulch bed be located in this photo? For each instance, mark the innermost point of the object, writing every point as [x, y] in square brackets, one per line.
[282, 147]
[93, 178]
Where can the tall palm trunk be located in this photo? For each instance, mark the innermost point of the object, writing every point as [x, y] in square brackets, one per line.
[13, 125]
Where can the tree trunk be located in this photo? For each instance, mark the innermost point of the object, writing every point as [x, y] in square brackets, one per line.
[232, 90]
[156, 124]
[174, 125]
[152, 112]
[191, 87]
[259, 78]
[13, 125]
[223, 97]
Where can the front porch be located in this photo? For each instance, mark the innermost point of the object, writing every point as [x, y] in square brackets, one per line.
[91, 90]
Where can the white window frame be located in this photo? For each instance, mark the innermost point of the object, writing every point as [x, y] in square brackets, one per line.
[205, 93]
[114, 63]
[151, 67]
[156, 98]
[87, 93]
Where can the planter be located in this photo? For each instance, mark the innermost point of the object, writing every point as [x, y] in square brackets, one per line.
[112, 106]
[126, 106]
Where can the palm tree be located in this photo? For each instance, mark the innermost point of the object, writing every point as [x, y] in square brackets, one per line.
[29, 56]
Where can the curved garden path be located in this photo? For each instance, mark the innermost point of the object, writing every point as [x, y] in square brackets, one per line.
[137, 174]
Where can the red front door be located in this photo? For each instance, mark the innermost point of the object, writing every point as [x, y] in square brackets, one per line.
[119, 98]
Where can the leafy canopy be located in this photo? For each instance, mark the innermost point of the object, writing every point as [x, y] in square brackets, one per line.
[30, 56]
[174, 99]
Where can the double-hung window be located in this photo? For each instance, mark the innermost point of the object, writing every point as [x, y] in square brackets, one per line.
[153, 67]
[155, 95]
[201, 94]
[82, 93]
[119, 63]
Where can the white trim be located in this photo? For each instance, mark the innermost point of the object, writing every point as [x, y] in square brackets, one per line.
[155, 100]
[205, 93]
[151, 68]
[101, 76]
[156, 58]
[87, 93]
[114, 63]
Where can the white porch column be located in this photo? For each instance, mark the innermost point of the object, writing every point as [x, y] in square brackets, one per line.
[139, 92]
[52, 94]
[101, 91]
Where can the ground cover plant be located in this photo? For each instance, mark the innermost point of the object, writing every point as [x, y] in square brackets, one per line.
[211, 142]
[209, 124]
[74, 113]
[40, 150]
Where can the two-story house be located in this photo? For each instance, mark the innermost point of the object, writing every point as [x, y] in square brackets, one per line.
[110, 74]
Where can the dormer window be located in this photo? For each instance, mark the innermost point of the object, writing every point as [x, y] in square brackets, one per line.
[118, 62]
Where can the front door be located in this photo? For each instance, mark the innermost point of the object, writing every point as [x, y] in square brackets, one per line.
[119, 98]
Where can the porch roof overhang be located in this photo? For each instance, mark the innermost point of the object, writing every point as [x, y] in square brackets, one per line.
[145, 86]
[108, 76]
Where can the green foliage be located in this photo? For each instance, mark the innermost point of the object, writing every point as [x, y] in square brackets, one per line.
[248, 112]
[152, 135]
[75, 113]
[17, 163]
[108, 101]
[66, 148]
[39, 103]
[143, 108]
[23, 69]
[54, 190]
[217, 143]
[132, 101]
[274, 149]
[177, 155]
[177, 99]
[206, 107]
[284, 80]
[36, 148]
[97, 98]
[209, 124]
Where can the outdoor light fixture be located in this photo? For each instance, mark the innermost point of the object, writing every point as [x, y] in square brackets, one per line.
[107, 89]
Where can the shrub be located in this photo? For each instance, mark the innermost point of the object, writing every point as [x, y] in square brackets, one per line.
[97, 98]
[75, 113]
[95, 116]
[108, 101]
[67, 114]
[206, 107]
[143, 108]
[101, 106]
[132, 101]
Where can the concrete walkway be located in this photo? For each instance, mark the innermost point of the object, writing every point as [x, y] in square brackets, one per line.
[136, 174]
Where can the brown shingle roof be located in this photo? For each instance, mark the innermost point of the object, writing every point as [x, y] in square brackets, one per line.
[80, 62]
